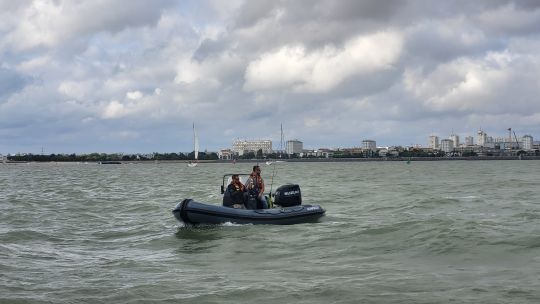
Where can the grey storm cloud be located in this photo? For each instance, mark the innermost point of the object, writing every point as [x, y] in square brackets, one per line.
[10, 82]
[133, 76]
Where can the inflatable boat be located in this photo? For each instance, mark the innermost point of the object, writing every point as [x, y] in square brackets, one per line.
[288, 210]
[192, 212]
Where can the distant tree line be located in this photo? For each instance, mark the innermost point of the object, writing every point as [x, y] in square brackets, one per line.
[97, 157]
[421, 153]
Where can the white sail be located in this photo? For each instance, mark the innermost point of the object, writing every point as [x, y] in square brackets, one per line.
[195, 143]
[195, 148]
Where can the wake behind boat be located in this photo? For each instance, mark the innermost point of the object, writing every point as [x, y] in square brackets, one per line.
[288, 201]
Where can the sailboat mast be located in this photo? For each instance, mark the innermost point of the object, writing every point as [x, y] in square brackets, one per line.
[195, 143]
[281, 142]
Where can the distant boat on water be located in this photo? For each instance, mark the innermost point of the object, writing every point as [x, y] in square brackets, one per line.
[195, 148]
[110, 163]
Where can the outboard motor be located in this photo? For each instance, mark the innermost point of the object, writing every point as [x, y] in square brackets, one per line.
[288, 195]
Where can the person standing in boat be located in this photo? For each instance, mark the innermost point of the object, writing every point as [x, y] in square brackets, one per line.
[255, 187]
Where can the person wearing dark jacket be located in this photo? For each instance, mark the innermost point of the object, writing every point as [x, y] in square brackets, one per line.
[236, 193]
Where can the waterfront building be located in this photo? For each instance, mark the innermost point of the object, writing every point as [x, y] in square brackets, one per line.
[322, 152]
[527, 142]
[447, 145]
[327, 153]
[506, 143]
[369, 144]
[241, 146]
[433, 142]
[388, 152]
[294, 146]
[226, 154]
[500, 139]
[482, 138]
[489, 142]
[455, 139]
[469, 141]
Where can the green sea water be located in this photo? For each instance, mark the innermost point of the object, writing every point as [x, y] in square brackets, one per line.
[424, 232]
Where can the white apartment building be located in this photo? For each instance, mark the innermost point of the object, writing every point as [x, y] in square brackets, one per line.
[226, 154]
[455, 139]
[527, 142]
[482, 138]
[447, 145]
[369, 144]
[294, 146]
[240, 146]
[433, 142]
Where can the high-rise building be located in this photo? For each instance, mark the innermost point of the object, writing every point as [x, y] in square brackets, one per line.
[433, 142]
[240, 146]
[469, 141]
[455, 139]
[368, 144]
[294, 146]
[482, 138]
[447, 145]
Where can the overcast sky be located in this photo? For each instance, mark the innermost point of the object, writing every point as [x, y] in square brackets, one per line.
[132, 76]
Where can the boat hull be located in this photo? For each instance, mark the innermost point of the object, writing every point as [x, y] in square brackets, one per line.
[191, 212]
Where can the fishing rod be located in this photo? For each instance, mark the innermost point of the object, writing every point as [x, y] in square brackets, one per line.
[271, 203]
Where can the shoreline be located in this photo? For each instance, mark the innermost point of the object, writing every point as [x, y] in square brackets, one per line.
[298, 160]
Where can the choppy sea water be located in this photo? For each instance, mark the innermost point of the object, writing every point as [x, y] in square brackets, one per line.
[424, 232]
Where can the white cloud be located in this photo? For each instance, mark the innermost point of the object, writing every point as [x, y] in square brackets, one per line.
[29, 66]
[210, 72]
[499, 82]
[463, 84]
[134, 95]
[114, 109]
[50, 23]
[76, 89]
[295, 68]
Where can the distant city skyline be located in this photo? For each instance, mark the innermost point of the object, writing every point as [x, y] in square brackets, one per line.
[265, 144]
[93, 76]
